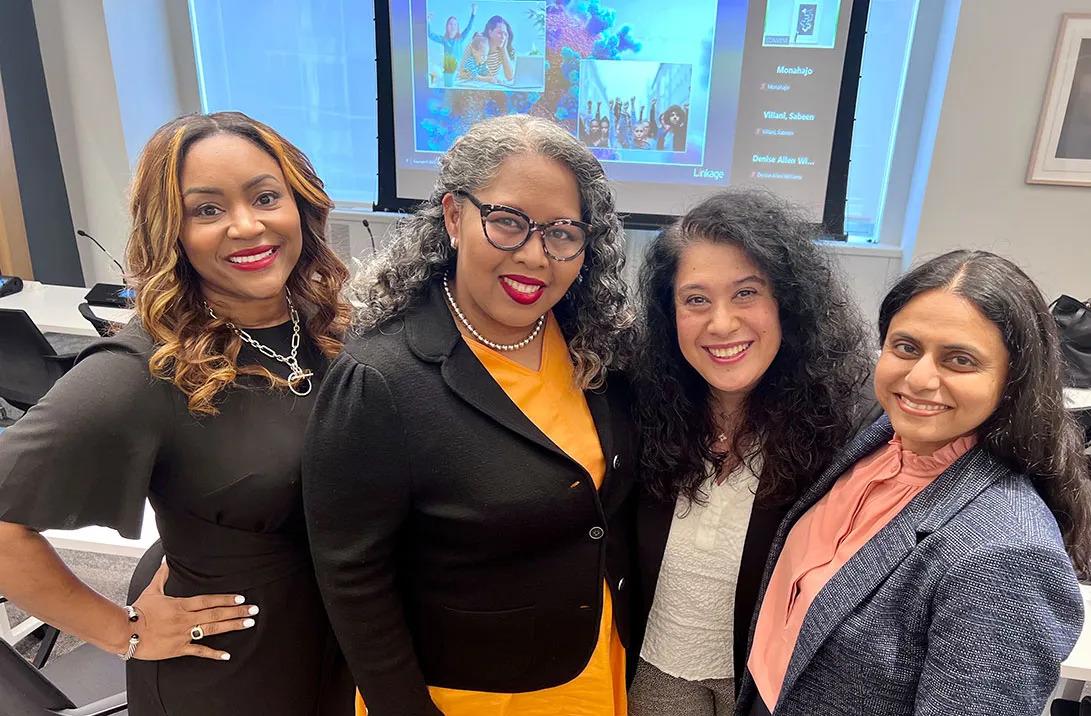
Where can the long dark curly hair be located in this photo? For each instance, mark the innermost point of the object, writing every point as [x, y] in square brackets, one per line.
[804, 407]
[1030, 432]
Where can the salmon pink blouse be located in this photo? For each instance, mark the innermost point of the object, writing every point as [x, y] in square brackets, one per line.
[861, 503]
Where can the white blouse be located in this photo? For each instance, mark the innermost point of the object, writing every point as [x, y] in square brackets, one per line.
[691, 625]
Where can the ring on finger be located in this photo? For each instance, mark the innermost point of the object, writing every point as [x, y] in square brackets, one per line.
[197, 632]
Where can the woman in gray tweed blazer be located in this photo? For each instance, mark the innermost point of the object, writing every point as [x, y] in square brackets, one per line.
[962, 597]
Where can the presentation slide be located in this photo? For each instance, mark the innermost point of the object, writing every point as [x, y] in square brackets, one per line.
[677, 99]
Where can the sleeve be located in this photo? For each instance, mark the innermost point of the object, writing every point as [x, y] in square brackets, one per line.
[84, 454]
[356, 495]
[433, 36]
[469, 26]
[1004, 618]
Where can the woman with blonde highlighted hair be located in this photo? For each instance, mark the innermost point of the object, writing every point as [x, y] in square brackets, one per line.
[198, 405]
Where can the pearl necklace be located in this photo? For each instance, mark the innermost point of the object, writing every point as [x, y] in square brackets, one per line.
[482, 339]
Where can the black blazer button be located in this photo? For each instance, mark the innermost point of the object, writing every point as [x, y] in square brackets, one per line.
[596, 532]
[617, 461]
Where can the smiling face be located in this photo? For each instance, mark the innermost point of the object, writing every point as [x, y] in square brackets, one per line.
[503, 293]
[727, 319]
[942, 371]
[242, 231]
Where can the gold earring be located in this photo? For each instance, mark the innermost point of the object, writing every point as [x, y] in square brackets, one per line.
[454, 243]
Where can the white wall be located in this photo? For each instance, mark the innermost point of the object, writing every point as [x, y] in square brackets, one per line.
[82, 94]
[976, 196]
[115, 70]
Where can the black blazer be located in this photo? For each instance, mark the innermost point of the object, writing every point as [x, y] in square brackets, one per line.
[455, 544]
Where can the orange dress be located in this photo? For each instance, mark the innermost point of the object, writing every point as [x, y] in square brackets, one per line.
[551, 400]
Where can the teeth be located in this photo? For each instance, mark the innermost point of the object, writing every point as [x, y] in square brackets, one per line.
[728, 352]
[521, 287]
[930, 407]
[252, 258]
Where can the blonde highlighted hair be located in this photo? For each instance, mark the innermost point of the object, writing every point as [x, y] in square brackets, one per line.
[197, 353]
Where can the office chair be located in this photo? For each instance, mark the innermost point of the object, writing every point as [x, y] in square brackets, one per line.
[29, 366]
[86, 675]
[102, 326]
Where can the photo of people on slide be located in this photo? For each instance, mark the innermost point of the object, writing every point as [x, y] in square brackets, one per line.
[633, 79]
[495, 45]
[629, 104]
[801, 23]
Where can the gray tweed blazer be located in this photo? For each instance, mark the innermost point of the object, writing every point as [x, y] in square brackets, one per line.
[965, 603]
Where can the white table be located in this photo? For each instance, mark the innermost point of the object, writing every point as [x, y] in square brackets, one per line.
[55, 309]
[1077, 398]
[105, 540]
[1076, 669]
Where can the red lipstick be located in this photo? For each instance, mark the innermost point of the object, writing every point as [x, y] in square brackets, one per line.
[519, 295]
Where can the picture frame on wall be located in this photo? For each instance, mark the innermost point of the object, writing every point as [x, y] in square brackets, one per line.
[1062, 147]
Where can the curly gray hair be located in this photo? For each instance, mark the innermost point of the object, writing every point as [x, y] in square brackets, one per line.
[594, 315]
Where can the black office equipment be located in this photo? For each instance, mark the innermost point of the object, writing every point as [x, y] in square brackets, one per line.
[107, 294]
[111, 295]
[10, 285]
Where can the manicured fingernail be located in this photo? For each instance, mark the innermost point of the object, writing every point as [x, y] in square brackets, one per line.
[252, 611]
[225, 657]
[248, 623]
[239, 599]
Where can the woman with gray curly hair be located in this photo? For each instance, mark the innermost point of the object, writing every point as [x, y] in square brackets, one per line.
[468, 482]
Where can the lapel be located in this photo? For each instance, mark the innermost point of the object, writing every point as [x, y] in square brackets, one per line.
[653, 528]
[432, 336]
[604, 413]
[858, 578]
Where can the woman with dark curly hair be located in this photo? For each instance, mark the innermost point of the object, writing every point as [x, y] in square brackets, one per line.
[750, 376]
[929, 570]
[468, 481]
[200, 406]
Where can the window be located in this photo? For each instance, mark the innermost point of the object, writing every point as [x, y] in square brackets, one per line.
[882, 81]
[305, 68]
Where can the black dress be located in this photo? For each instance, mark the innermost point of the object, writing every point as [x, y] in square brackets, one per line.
[227, 501]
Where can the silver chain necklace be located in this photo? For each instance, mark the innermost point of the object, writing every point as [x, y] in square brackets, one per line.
[298, 374]
[482, 339]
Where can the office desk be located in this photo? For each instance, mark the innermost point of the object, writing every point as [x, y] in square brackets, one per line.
[105, 540]
[1076, 669]
[55, 309]
[1077, 398]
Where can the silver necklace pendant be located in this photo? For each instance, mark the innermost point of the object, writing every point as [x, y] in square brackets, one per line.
[295, 378]
[297, 374]
[504, 347]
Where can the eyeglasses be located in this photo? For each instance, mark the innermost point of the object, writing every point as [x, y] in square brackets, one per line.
[509, 229]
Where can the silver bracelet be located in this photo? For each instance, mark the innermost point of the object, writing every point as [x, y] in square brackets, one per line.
[134, 640]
